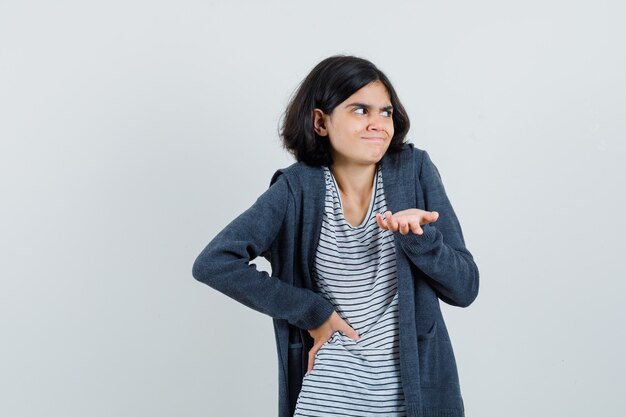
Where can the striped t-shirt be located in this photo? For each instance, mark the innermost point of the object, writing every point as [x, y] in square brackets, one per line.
[355, 269]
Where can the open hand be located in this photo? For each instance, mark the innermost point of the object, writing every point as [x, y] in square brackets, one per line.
[406, 220]
[324, 332]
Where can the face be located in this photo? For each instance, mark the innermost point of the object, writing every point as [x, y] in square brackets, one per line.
[359, 129]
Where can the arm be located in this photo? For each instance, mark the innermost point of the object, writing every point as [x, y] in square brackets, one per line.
[440, 251]
[225, 264]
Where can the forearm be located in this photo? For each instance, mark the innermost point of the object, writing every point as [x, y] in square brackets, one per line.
[440, 251]
[453, 272]
[224, 264]
[241, 281]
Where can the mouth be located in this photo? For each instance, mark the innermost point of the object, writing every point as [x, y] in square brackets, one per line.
[374, 139]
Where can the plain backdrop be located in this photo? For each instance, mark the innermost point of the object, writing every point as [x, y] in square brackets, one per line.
[133, 131]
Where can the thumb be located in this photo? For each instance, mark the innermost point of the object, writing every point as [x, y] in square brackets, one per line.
[312, 354]
[349, 331]
[434, 215]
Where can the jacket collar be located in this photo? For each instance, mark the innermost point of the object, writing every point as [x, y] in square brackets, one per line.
[308, 188]
[398, 170]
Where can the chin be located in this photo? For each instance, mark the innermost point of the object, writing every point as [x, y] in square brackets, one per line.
[378, 155]
[374, 159]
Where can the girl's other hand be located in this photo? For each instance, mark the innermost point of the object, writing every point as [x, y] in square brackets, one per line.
[324, 332]
[406, 220]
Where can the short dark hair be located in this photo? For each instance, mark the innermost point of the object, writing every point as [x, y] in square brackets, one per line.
[330, 83]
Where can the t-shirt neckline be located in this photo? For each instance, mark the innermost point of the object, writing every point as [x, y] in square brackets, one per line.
[371, 205]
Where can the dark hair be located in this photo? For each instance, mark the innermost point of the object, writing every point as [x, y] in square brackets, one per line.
[330, 83]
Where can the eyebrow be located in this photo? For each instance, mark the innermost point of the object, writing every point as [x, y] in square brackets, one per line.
[369, 106]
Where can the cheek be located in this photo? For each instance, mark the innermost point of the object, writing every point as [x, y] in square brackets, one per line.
[360, 126]
[389, 130]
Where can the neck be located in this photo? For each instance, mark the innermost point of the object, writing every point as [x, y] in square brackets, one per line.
[354, 181]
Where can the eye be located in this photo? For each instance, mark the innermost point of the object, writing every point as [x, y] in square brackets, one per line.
[360, 110]
[387, 113]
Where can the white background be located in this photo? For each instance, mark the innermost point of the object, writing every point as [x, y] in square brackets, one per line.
[133, 131]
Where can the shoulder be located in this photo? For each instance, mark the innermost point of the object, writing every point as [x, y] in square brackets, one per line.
[418, 154]
[298, 175]
[407, 158]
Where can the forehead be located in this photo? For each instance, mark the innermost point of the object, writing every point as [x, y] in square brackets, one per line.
[372, 93]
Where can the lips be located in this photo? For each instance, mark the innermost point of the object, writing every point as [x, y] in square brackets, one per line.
[374, 139]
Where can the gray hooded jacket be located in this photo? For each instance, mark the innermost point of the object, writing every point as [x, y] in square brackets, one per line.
[284, 225]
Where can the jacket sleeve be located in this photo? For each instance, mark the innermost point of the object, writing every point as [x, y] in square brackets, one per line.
[440, 251]
[224, 264]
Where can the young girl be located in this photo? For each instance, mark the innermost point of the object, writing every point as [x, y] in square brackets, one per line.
[363, 243]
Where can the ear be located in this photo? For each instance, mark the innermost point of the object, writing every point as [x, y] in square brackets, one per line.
[319, 122]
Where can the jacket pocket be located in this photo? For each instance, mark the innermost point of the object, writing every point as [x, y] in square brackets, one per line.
[295, 373]
[429, 356]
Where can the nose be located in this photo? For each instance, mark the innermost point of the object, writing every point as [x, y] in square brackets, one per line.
[377, 122]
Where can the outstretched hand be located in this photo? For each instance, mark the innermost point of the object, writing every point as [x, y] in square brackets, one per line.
[324, 332]
[406, 220]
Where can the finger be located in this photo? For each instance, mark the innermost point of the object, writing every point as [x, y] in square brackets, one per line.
[393, 224]
[350, 332]
[429, 217]
[433, 216]
[312, 354]
[403, 227]
[388, 219]
[381, 221]
[416, 229]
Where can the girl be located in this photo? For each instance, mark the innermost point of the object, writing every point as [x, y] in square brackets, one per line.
[363, 243]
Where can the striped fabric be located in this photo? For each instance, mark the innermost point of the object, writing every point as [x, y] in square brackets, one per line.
[355, 268]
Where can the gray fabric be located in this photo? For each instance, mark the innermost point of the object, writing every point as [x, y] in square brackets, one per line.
[355, 269]
[284, 226]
